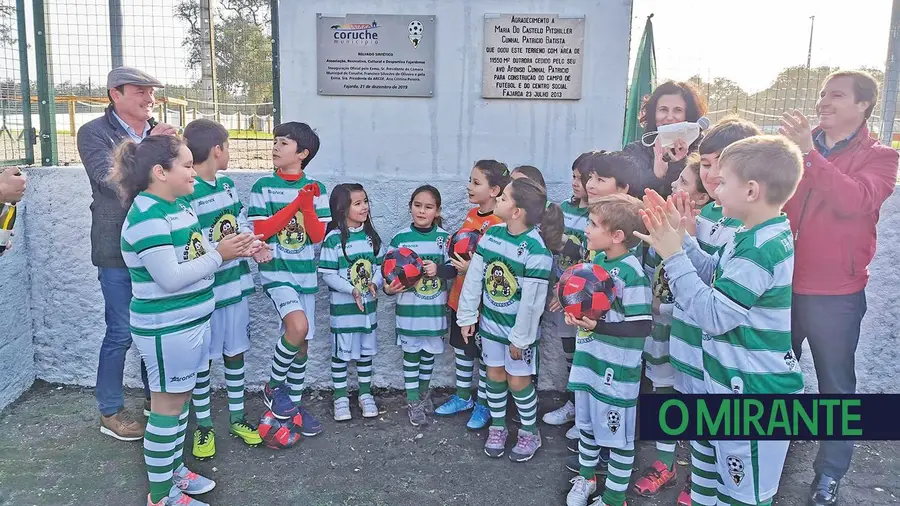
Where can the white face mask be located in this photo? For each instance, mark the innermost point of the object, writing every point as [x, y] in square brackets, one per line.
[669, 134]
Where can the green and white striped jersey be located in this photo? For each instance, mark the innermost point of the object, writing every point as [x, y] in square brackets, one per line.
[574, 250]
[753, 279]
[294, 261]
[153, 224]
[220, 213]
[685, 342]
[508, 260]
[359, 267]
[607, 367]
[422, 312]
[656, 346]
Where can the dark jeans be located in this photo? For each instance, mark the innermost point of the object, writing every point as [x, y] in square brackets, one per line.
[831, 324]
[115, 283]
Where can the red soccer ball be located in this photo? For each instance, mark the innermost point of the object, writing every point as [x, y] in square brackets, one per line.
[276, 433]
[403, 265]
[586, 291]
[463, 243]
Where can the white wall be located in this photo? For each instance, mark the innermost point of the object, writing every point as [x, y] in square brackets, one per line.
[65, 309]
[440, 137]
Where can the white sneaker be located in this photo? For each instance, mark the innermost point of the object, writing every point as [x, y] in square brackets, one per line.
[581, 492]
[342, 409]
[561, 415]
[368, 406]
[573, 434]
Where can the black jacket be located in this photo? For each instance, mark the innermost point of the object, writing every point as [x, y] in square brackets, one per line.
[645, 178]
[97, 139]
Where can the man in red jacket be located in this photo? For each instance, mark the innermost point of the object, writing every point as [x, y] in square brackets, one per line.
[847, 177]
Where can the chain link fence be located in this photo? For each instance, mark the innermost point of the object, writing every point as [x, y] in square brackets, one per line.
[15, 109]
[223, 74]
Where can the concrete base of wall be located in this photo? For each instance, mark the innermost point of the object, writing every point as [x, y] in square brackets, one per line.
[64, 314]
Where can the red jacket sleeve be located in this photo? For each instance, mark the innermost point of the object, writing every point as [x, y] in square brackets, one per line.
[303, 203]
[855, 194]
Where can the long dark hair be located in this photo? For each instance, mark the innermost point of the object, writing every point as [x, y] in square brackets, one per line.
[531, 172]
[584, 174]
[339, 202]
[133, 163]
[438, 221]
[496, 173]
[695, 106]
[528, 196]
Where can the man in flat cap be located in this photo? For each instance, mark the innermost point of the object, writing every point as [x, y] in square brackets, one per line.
[128, 117]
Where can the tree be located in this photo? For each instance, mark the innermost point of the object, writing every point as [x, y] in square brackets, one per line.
[243, 53]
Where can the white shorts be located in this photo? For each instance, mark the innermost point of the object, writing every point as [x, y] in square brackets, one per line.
[687, 384]
[656, 349]
[495, 354]
[230, 329]
[750, 470]
[613, 427]
[354, 346]
[411, 344]
[173, 360]
[287, 300]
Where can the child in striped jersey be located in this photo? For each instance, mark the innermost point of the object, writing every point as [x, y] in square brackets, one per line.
[290, 210]
[745, 310]
[575, 217]
[171, 266]
[657, 368]
[712, 230]
[606, 370]
[508, 279]
[219, 210]
[422, 309]
[350, 263]
[486, 183]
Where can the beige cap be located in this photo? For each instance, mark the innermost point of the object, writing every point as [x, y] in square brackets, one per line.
[130, 75]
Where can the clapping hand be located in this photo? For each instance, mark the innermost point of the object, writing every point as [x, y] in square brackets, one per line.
[665, 239]
[795, 127]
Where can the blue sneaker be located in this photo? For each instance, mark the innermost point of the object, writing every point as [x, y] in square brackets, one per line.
[455, 405]
[310, 425]
[481, 416]
[279, 401]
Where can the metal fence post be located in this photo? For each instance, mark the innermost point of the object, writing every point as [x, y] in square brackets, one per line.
[891, 78]
[28, 134]
[276, 63]
[45, 95]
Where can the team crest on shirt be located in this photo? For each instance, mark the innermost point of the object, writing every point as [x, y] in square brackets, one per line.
[735, 469]
[225, 224]
[608, 376]
[360, 275]
[186, 209]
[716, 225]
[440, 242]
[292, 238]
[790, 360]
[227, 188]
[737, 385]
[484, 226]
[613, 421]
[521, 249]
[500, 284]
[614, 272]
[194, 247]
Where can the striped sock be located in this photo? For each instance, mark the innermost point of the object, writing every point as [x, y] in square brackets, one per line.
[364, 374]
[620, 462]
[588, 454]
[295, 377]
[159, 450]
[526, 402]
[665, 453]
[704, 474]
[411, 376]
[497, 391]
[182, 433]
[426, 365]
[234, 383]
[482, 383]
[339, 377]
[464, 368]
[281, 362]
[200, 398]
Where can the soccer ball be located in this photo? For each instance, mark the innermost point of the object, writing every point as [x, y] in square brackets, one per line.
[416, 28]
[586, 291]
[403, 265]
[464, 242]
[277, 434]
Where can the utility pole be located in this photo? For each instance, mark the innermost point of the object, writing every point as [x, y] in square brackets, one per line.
[891, 75]
[208, 57]
[115, 33]
[812, 25]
